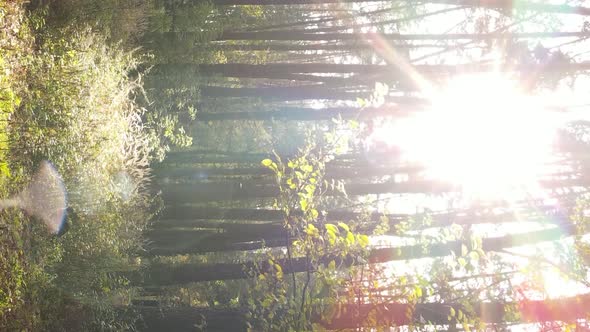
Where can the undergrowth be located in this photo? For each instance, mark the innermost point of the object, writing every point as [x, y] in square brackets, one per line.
[65, 96]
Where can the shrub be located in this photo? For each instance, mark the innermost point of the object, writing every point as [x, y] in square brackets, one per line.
[76, 107]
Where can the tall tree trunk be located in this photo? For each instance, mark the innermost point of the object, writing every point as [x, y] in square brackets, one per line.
[278, 70]
[352, 316]
[219, 191]
[358, 26]
[312, 114]
[281, 93]
[491, 4]
[193, 157]
[296, 35]
[165, 274]
[316, 47]
[291, 35]
[332, 172]
[328, 19]
[188, 319]
[250, 236]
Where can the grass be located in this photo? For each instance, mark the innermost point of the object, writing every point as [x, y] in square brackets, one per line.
[65, 97]
[15, 42]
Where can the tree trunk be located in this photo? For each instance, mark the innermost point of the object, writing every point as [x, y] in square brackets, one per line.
[185, 319]
[311, 114]
[491, 4]
[164, 274]
[358, 27]
[192, 157]
[352, 316]
[219, 191]
[235, 236]
[185, 216]
[281, 93]
[315, 47]
[332, 172]
[296, 35]
[279, 70]
[326, 19]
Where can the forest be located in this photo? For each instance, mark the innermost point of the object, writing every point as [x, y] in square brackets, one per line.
[294, 165]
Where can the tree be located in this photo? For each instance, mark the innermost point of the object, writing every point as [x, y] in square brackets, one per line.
[496, 4]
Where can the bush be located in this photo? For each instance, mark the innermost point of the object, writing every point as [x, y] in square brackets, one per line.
[73, 104]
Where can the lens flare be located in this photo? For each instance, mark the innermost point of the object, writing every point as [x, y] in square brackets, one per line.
[44, 198]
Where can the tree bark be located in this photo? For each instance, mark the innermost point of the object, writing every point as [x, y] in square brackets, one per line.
[185, 216]
[332, 172]
[279, 70]
[357, 27]
[394, 314]
[219, 191]
[326, 19]
[353, 316]
[237, 236]
[281, 93]
[185, 319]
[296, 35]
[315, 47]
[311, 114]
[179, 274]
[192, 157]
[491, 4]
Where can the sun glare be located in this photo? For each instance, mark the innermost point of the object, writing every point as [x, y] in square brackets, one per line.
[481, 134]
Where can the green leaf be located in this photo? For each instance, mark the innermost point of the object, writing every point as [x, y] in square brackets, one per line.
[361, 102]
[344, 226]
[311, 230]
[462, 261]
[332, 265]
[418, 291]
[291, 184]
[331, 238]
[304, 204]
[314, 213]
[452, 312]
[307, 168]
[363, 240]
[266, 162]
[331, 228]
[350, 238]
[279, 270]
[464, 250]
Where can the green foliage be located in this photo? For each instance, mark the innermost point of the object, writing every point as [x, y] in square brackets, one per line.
[118, 20]
[288, 301]
[15, 41]
[65, 97]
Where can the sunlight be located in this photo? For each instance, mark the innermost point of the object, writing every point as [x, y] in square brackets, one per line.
[481, 134]
[557, 285]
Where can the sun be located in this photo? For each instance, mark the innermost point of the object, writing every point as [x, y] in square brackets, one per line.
[482, 134]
